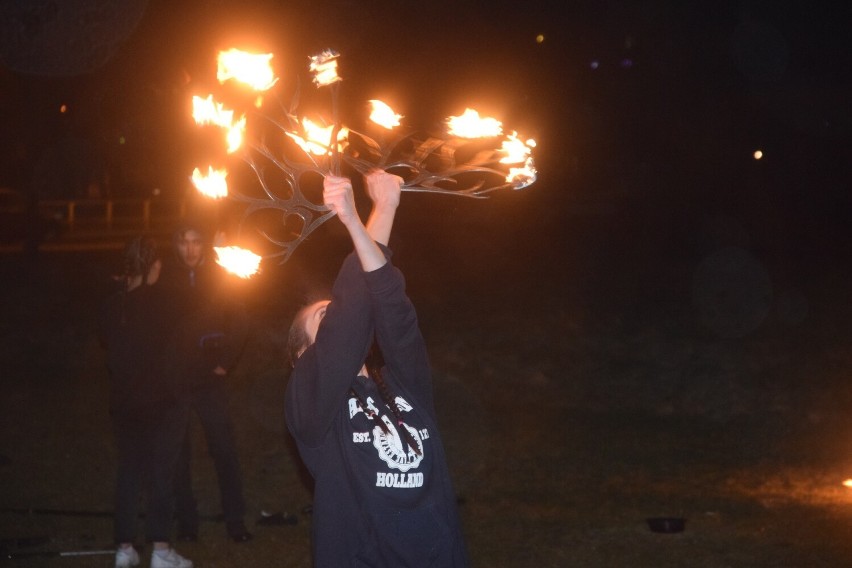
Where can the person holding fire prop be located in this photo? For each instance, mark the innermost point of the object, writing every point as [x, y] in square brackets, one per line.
[360, 406]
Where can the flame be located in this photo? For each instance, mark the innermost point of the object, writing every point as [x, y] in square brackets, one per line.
[213, 184]
[208, 111]
[324, 68]
[317, 138]
[383, 115]
[252, 69]
[847, 483]
[238, 261]
[522, 177]
[516, 150]
[470, 125]
[236, 134]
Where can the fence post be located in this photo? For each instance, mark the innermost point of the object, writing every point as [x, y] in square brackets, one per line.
[146, 214]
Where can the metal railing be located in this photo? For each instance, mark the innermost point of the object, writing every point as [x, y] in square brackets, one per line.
[109, 212]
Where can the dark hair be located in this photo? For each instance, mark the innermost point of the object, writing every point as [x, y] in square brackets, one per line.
[297, 336]
[139, 256]
[375, 363]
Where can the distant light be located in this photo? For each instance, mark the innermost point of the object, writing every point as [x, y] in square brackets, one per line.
[63, 109]
[758, 154]
[121, 140]
[156, 191]
[627, 63]
[539, 38]
[595, 64]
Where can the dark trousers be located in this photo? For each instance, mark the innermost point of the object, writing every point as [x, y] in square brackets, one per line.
[148, 442]
[210, 403]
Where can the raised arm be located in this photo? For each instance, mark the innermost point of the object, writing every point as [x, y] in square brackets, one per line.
[322, 375]
[384, 190]
[337, 195]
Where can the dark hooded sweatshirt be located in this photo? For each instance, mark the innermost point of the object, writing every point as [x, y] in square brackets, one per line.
[136, 328]
[377, 502]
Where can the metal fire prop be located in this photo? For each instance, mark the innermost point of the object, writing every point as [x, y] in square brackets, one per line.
[472, 156]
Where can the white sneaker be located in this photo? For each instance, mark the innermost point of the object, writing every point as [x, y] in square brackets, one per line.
[126, 557]
[169, 560]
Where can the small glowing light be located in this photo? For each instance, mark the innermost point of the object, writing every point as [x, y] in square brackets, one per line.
[627, 63]
[122, 140]
[595, 64]
[238, 261]
[539, 38]
[470, 125]
[758, 154]
[63, 109]
[383, 115]
[847, 483]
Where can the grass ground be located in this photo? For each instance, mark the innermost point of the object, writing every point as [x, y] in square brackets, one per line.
[580, 391]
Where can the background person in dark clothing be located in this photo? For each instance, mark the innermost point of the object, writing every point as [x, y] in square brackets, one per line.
[368, 433]
[210, 341]
[136, 327]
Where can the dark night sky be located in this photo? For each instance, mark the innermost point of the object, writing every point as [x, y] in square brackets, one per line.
[665, 99]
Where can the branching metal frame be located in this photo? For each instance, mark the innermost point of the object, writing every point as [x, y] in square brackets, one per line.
[413, 166]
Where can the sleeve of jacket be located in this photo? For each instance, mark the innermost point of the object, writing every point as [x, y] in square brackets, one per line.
[321, 378]
[398, 331]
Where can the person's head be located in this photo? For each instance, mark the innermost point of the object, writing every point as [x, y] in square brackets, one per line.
[189, 246]
[140, 262]
[303, 330]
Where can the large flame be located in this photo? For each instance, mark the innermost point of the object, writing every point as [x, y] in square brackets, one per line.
[324, 68]
[252, 69]
[516, 150]
[471, 125]
[213, 184]
[238, 261]
[208, 111]
[383, 115]
[317, 139]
